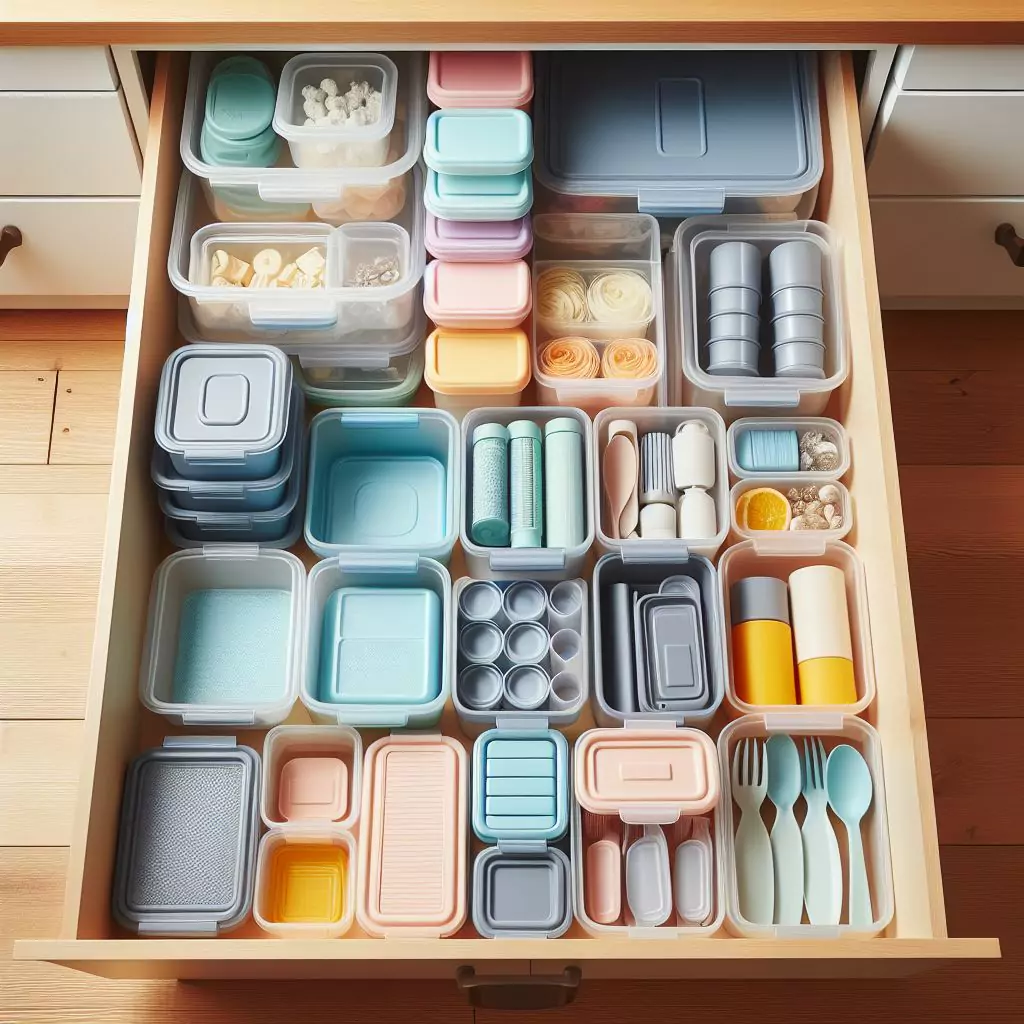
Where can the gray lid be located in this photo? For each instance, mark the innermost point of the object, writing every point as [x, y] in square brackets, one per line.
[671, 660]
[223, 402]
[759, 597]
[695, 126]
[187, 842]
[521, 892]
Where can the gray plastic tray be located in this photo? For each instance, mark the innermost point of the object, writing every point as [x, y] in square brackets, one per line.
[521, 892]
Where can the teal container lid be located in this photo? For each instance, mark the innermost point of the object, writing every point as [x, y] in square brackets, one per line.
[237, 128]
[478, 197]
[523, 428]
[562, 425]
[478, 142]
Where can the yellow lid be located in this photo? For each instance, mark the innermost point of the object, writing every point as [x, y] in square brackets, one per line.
[477, 362]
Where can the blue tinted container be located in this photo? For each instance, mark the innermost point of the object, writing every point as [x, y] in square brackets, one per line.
[480, 197]
[478, 142]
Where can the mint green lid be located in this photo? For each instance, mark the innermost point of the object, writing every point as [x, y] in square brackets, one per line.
[562, 425]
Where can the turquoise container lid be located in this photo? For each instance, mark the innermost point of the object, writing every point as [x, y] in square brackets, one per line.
[237, 128]
[478, 197]
[478, 142]
[520, 785]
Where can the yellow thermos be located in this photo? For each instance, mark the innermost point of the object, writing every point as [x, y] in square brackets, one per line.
[762, 641]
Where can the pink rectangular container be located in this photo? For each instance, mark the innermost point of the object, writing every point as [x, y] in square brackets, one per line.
[477, 296]
[475, 79]
[478, 241]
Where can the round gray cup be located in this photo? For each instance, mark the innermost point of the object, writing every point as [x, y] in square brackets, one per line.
[795, 264]
[733, 357]
[797, 301]
[734, 300]
[735, 265]
[524, 600]
[479, 687]
[733, 325]
[480, 643]
[526, 643]
[799, 359]
[526, 688]
[480, 601]
[798, 328]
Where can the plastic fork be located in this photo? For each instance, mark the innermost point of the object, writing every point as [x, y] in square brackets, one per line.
[755, 876]
[823, 872]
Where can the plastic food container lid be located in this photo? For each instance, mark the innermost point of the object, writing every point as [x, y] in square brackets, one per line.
[521, 893]
[480, 79]
[478, 142]
[479, 241]
[479, 197]
[477, 362]
[646, 775]
[481, 292]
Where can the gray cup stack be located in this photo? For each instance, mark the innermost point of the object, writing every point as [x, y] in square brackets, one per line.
[798, 322]
[734, 297]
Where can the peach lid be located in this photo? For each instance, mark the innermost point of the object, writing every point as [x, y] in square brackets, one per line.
[477, 362]
[481, 295]
[313, 788]
[412, 850]
[480, 79]
[651, 775]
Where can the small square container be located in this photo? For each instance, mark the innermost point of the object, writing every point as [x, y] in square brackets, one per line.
[413, 841]
[314, 146]
[842, 506]
[383, 478]
[224, 639]
[468, 78]
[467, 369]
[478, 143]
[187, 841]
[479, 197]
[754, 558]
[664, 779]
[222, 411]
[522, 891]
[779, 452]
[619, 582]
[467, 241]
[832, 730]
[376, 652]
[477, 296]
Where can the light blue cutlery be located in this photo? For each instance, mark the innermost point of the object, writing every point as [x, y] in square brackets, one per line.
[787, 848]
[848, 781]
[823, 872]
[754, 877]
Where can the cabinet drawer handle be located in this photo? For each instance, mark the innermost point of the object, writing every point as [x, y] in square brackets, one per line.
[1007, 237]
[514, 992]
[10, 238]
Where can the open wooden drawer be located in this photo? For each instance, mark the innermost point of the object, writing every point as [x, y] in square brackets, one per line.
[118, 727]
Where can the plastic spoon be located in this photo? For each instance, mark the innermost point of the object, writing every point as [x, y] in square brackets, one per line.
[787, 849]
[848, 781]
[621, 471]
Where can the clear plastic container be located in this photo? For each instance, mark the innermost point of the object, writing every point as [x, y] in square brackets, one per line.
[831, 430]
[592, 244]
[832, 729]
[225, 635]
[754, 558]
[790, 537]
[477, 296]
[492, 78]
[299, 317]
[737, 396]
[316, 146]
[667, 421]
[285, 192]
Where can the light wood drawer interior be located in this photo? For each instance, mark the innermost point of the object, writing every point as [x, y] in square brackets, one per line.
[117, 727]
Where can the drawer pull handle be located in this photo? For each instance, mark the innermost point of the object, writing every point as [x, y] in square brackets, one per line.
[519, 992]
[10, 238]
[1007, 237]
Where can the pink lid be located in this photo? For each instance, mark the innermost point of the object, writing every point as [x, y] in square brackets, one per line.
[479, 241]
[473, 79]
[650, 775]
[477, 296]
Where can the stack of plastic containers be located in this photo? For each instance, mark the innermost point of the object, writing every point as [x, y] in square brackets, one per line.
[230, 459]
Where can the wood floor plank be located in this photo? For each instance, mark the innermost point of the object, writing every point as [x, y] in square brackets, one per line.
[55, 480]
[26, 412]
[26, 355]
[953, 340]
[57, 327]
[84, 417]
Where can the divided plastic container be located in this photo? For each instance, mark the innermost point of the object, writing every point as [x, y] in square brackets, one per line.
[386, 479]
[376, 651]
[831, 430]
[676, 133]
[224, 639]
[788, 537]
[492, 78]
[334, 194]
[477, 296]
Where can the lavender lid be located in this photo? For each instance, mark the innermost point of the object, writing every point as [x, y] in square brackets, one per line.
[479, 241]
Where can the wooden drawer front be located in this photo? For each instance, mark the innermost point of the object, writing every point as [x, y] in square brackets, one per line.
[68, 144]
[959, 67]
[71, 247]
[51, 68]
[117, 726]
[943, 252]
[948, 144]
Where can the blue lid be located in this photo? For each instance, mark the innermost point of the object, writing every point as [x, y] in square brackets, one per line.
[485, 142]
[240, 99]
[478, 197]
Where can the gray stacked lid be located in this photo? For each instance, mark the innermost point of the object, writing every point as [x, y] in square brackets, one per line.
[521, 892]
[682, 131]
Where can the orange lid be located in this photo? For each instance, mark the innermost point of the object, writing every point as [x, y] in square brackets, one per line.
[477, 362]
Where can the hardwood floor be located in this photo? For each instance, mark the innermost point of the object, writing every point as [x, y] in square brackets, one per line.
[957, 383]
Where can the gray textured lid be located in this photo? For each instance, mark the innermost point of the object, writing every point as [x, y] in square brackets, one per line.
[521, 892]
[759, 597]
[223, 402]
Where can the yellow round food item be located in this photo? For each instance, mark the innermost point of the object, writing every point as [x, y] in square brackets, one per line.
[763, 508]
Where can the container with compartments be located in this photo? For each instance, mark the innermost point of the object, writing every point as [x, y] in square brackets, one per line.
[763, 447]
[467, 78]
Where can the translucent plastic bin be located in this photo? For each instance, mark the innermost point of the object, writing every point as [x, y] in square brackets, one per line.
[284, 192]
[790, 537]
[832, 432]
[736, 396]
[832, 730]
[543, 563]
[225, 637]
[590, 245]
[387, 479]
[404, 677]
[667, 421]
[300, 317]
[315, 146]
[754, 558]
